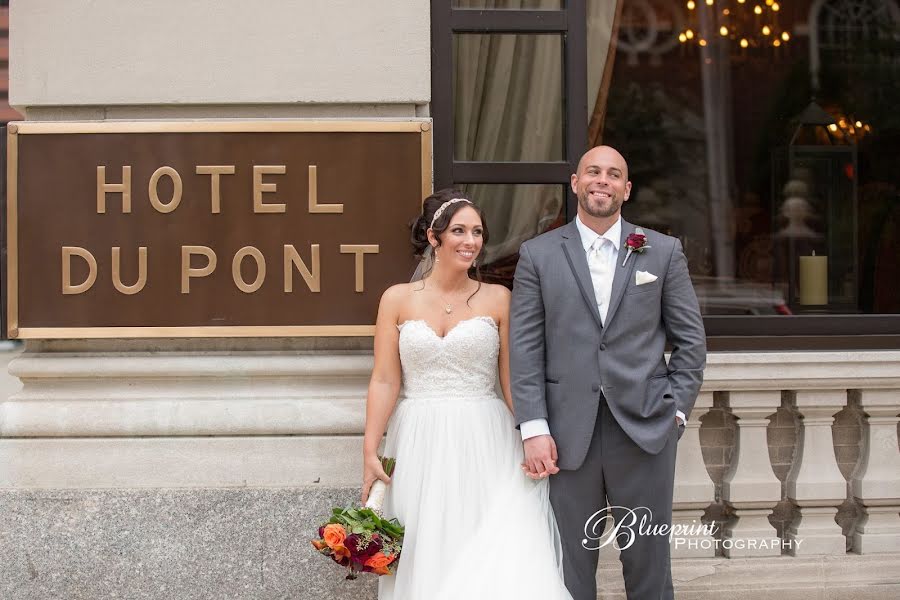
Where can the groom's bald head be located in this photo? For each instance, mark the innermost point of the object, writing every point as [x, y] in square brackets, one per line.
[603, 155]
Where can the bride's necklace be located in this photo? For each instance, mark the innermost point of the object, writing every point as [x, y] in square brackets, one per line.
[447, 306]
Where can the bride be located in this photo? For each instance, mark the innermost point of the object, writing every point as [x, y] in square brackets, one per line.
[475, 524]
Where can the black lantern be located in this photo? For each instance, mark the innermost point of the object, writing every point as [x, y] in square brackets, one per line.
[815, 215]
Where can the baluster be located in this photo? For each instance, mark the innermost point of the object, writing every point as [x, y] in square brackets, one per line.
[694, 490]
[751, 487]
[815, 483]
[876, 481]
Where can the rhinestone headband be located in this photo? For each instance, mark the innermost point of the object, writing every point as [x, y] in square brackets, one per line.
[443, 207]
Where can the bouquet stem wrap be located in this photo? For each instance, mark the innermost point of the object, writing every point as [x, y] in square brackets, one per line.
[376, 495]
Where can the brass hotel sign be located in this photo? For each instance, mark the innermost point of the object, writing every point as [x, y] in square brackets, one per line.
[209, 229]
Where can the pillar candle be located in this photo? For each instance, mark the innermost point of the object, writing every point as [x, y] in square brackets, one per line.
[814, 280]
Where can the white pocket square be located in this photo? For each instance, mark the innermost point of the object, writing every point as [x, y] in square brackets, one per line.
[642, 277]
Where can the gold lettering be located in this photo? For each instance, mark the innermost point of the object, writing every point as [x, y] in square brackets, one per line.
[123, 188]
[260, 269]
[292, 258]
[187, 272]
[117, 271]
[215, 171]
[259, 188]
[314, 206]
[359, 250]
[154, 191]
[67, 253]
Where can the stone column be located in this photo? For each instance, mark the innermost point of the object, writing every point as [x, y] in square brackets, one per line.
[815, 484]
[751, 487]
[694, 490]
[876, 482]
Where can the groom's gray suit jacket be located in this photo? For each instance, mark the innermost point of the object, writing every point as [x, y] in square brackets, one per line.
[562, 357]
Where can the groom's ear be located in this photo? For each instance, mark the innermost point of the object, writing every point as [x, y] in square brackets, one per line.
[627, 190]
[573, 182]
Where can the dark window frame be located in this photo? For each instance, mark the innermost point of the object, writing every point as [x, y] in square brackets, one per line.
[736, 333]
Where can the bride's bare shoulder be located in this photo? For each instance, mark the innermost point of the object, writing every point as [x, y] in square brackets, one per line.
[496, 291]
[400, 293]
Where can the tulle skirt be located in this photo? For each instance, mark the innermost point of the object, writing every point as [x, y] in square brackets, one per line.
[476, 526]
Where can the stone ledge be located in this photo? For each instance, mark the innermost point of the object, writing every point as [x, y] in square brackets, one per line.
[253, 543]
[850, 576]
[279, 393]
[180, 462]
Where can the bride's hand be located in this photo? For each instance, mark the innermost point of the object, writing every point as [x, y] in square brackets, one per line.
[372, 470]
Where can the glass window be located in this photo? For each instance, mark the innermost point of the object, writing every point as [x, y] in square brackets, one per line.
[778, 172]
[508, 93]
[514, 213]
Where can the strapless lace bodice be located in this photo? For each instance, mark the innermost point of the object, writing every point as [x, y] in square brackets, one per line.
[463, 363]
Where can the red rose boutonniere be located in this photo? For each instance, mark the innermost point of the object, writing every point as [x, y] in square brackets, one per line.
[635, 242]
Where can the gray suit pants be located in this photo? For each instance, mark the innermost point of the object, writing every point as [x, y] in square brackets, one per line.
[618, 472]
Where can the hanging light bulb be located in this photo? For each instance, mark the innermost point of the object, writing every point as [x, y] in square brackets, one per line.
[757, 9]
[770, 2]
[689, 34]
[691, 5]
[744, 43]
[786, 36]
[710, 2]
[776, 7]
[776, 43]
[832, 128]
[742, 1]
[702, 42]
[766, 30]
[682, 38]
[726, 12]
[723, 31]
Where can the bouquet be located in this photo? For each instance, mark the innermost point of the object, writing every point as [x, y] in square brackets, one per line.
[360, 539]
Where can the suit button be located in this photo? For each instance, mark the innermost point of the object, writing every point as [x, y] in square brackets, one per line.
[596, 387]
[603, 346]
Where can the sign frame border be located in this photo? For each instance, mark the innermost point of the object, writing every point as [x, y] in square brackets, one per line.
[16, 128]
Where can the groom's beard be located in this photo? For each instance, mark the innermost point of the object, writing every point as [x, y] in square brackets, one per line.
[596, 210]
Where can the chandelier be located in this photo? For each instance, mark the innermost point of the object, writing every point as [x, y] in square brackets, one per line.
[745, 23]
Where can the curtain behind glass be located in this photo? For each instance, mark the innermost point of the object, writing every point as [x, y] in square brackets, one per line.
[509, 107]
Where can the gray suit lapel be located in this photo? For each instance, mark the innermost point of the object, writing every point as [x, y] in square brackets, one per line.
[623, 274]
[575, 255]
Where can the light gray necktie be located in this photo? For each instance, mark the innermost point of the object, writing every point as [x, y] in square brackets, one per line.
[600, 266]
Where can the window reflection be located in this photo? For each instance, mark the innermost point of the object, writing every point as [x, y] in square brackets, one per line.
[775, 163]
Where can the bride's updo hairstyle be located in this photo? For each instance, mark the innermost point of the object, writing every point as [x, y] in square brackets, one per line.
[430, 206]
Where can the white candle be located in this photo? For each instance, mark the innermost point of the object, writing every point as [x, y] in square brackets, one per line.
[814, 280]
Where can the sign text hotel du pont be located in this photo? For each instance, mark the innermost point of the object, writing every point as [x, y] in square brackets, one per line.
[209, 228]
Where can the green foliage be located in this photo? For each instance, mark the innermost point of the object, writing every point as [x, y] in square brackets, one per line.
[366, 520]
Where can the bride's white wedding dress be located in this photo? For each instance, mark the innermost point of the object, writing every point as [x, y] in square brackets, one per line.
[476, 526]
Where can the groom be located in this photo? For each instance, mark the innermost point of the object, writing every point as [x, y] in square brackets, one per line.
[593, 306]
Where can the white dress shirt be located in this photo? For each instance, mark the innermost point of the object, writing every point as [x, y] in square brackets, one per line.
[602, 253]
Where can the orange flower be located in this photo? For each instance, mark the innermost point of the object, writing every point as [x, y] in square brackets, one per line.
[379, 561]
[340, 552]
[334, 535]
[318, 544]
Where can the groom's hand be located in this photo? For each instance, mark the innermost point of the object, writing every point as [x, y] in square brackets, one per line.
[540, 457]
